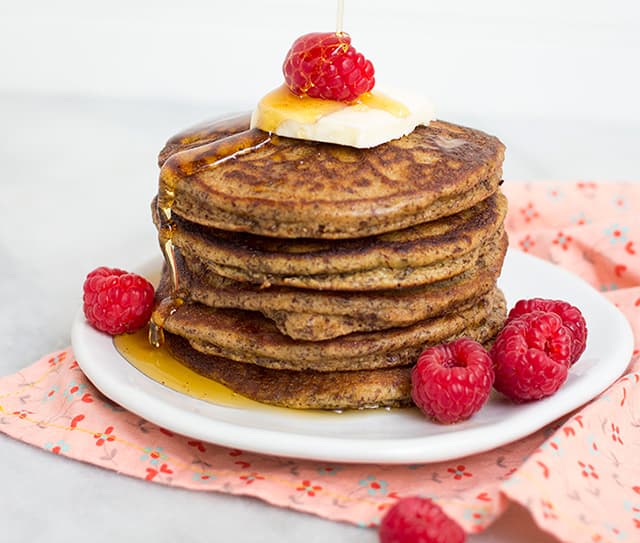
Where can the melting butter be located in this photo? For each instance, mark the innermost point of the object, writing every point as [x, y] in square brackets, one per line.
[373, 119]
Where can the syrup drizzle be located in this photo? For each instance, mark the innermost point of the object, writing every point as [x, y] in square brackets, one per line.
[340, 17]
[159, 365]
[178, 167]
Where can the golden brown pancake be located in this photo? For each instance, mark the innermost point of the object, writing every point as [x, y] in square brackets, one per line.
[373, 279]
[417, 246]
[300, 390]
[310, 389]
[281, 187]
[250, 337]
[313, 274]
[317, 315]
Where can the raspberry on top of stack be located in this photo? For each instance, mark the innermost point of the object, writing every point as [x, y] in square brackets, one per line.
[315, 249]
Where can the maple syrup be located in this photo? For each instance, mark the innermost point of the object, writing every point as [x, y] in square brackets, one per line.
[281, 105]
[189, 162]
[158, 364]
[340, 17]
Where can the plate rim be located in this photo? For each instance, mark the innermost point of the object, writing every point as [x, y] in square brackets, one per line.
[429, 448]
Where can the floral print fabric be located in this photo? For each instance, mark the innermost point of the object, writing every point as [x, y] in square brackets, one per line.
[579, 477]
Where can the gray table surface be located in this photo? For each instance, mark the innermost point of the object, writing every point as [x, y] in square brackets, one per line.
[77, 178]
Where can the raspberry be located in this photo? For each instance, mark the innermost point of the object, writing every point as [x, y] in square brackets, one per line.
[325, 65]
[115, 301]
[571, 318]
[450, 382]
[419, 520]
[531, 356]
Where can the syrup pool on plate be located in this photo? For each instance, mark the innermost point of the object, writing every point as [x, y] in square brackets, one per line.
[158, 364]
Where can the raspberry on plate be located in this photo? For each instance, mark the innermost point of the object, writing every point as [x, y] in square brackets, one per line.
[325, 65]
[571, 318]
[419, 520]
[531, 356]
[452, 381]
[115, 301]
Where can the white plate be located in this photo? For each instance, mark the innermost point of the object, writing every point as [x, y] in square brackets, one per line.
[378, 436]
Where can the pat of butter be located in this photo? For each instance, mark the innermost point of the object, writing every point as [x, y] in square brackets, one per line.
[373, 119]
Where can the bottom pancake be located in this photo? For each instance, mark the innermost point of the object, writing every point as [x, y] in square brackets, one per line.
[313, 389]
[299, 390]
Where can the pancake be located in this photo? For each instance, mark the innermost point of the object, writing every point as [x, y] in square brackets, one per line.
[280, 187]
[368, 280]
[309, 389]
[318, 315]
[299, 390]
[416, 246]
[250, 337]
[312, 275]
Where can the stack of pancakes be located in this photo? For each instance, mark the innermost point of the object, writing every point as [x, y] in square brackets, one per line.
[313, 275]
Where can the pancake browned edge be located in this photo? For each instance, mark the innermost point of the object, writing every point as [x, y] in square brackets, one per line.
[269, 258]
[317, 315]
[250, 337]
[312, 389]
[300, 390]
[368, 280]
[314, 316]
[435, 171]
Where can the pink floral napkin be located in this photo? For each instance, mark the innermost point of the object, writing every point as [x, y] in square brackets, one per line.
[580, 477]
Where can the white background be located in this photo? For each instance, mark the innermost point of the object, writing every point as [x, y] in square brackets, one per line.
[544, 58]
[89, 92]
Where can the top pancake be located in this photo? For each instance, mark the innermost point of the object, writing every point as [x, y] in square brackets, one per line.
[268, 185]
